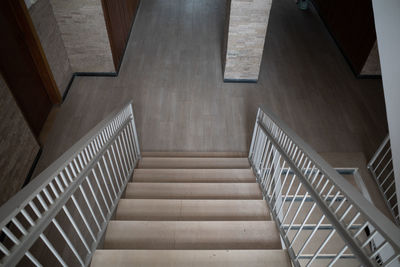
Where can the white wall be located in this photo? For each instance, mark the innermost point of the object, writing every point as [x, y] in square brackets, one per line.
[387, 24]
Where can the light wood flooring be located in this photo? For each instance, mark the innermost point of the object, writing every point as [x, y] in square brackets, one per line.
[172, 72]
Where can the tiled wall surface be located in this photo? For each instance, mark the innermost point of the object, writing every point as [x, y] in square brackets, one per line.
[50, 37]
[84, 32]
[18, 146]
[248, 21]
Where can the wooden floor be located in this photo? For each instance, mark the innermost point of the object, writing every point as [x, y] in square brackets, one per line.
[172, 72]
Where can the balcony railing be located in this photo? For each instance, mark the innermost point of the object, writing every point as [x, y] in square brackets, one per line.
[60, 217]
[381, 168]
[322, 218]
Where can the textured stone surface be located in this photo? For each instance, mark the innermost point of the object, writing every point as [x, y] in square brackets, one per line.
[50, 37]
[372, 66]
[18, 147]
[84, 32]
[248, 21]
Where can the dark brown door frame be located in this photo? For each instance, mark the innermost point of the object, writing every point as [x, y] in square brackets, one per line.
[36, 50]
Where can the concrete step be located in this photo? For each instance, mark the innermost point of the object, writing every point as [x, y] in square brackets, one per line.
[192, 210]
[193, 163]
[192, 235]
[194, 175]
[193, 191]
[181, 154]
[193, 258]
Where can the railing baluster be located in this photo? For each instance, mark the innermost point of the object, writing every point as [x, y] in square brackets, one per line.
[68, 241]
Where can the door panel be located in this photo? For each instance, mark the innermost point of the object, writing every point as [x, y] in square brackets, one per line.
[119, 16]
[20, 72]
[351, 22]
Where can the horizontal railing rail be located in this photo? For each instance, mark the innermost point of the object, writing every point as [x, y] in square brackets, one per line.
[321, 217]
[381, 168]
[60, 217]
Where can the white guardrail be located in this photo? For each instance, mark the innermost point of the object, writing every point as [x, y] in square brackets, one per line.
[60, 217]
[381, 168]
[323, 220]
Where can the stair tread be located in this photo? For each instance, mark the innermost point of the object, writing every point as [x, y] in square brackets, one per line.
[192, 235]
[193, 258]
[193, 191]
[192, 210]
[194, 175]
[180, 154]
[193, 163]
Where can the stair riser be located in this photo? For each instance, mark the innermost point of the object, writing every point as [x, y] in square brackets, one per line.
[193, 191]
[192, 235]
[192, 210]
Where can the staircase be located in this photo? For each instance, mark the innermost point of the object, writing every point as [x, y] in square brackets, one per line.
[104, 203]
[192, 211]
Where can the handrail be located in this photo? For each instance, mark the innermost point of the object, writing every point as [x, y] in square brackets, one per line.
[84, 184]
[381, 168]
[281, 159]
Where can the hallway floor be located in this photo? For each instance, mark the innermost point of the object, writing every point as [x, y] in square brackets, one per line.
[172, 72]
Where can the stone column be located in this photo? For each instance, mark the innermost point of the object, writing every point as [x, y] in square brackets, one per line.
[247, 22]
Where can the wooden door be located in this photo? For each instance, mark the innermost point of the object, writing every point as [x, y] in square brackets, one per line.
[119, 16]
[23, 65]
[351, 23]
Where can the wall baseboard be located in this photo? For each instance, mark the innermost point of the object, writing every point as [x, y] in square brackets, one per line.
[240, 81]
[32, 169]
[86, 74]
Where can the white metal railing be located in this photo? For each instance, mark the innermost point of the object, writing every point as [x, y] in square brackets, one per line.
[381, 168]
[60, 217]
[323, 220]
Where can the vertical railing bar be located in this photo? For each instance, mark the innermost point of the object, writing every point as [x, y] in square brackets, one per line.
[387, 189]
[384, 168]
[75, 226]
[109, 176]
[10, 235]
[105, 184]
[338, 256]
[123, 155]
[39, 197]
[4, 249]
[95, 198]
[89, 206]
[35, 209]
[287, 193]
[386, 178]
[274, 193]
[84, 219]
[371, 236]
[53, 250]
[383, 157]
[33, 259]
[310, 237]
[73, 170]
[19, 226]
[321, 247]
[69, 175]
[64, 179]
[119, 163]
[68, 241]
[101, 191]
[303, 223]
[127, 148]
[271, 175]
[53, 188]
[132, 141]
[113, 170]
[116, 165]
